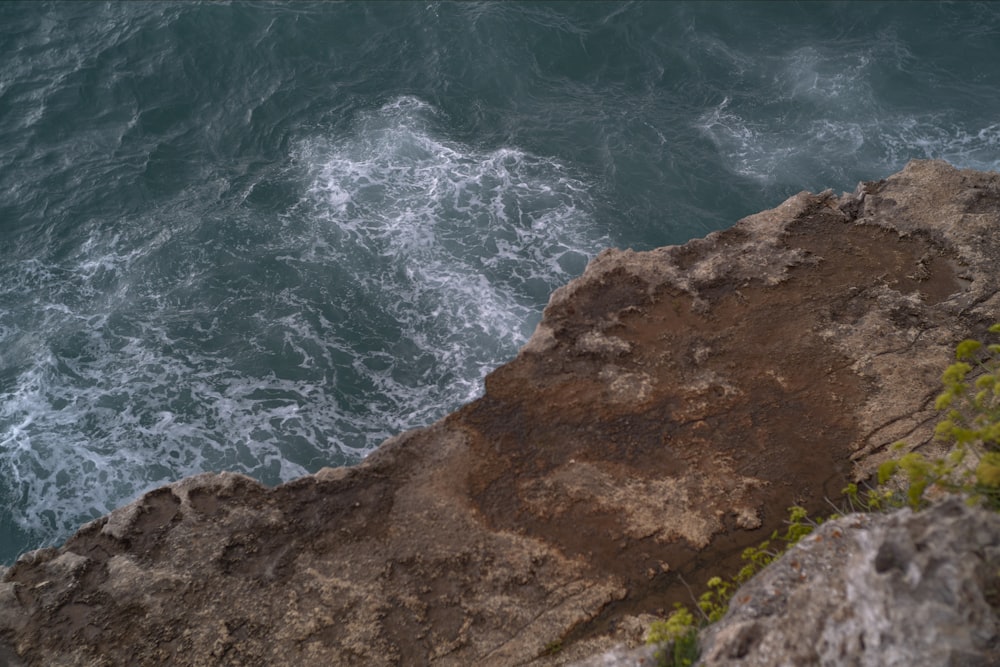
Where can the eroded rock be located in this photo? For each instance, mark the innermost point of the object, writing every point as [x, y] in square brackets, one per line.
[669, 407]
[882, 590]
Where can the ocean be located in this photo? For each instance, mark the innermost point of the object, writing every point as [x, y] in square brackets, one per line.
[263, 237]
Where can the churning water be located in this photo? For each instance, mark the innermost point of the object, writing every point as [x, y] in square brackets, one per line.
[264, 237]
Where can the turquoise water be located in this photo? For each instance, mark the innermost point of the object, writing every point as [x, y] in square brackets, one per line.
[264, 237]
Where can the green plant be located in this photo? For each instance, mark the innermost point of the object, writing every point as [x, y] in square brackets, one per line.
[971, 402]
[679, 631]
[553, 647]
[798, 525]
[872, 499]
[971, 399]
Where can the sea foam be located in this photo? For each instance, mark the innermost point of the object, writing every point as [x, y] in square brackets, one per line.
[274, 343]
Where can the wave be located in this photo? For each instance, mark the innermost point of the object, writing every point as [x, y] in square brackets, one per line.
[275, 339]
[834, 110]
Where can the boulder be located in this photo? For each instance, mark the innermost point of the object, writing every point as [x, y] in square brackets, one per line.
[873, 590]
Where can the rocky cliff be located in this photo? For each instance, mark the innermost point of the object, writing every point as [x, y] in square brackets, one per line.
[669, 407]
[883, 590]
[897, 589]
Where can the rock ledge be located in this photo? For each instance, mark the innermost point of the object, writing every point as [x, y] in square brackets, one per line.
[668, 409]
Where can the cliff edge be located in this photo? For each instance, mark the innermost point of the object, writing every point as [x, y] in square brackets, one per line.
[669, 407]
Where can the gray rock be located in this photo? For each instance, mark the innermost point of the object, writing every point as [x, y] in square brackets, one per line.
[873, 590]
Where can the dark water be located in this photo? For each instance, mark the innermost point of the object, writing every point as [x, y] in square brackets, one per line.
[264, 237]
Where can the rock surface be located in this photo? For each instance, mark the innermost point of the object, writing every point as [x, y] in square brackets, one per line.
[889, 590]
[669, 407]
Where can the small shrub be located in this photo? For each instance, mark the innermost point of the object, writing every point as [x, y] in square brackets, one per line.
[971, 424]
[679, 631]
[679, 635]
[972, 467]
[873, 499]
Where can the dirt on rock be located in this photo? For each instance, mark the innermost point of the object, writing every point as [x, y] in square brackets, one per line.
[669, 407]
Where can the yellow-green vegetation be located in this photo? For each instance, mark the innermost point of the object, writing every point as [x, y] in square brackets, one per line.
[553, 648]
[971, 426]
[679, 631]
[971, 402]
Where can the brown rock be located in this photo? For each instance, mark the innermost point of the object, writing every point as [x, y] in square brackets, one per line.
[668, 409]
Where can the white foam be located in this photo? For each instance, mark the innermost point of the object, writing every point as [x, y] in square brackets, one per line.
[814, 111]
[828, 149]
[276, 344]
[452, 242]
[933, 138]
[830, 76]
[808, 110]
